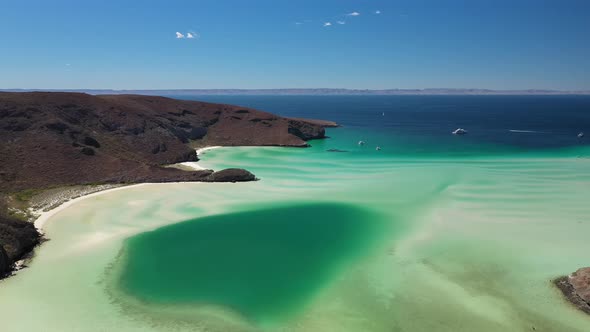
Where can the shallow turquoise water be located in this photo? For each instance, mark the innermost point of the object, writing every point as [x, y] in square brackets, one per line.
[245, 261]
[462, 238]
[263, 264]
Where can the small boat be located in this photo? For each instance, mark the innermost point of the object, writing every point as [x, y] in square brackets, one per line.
[383, 113]
[378, 148]
[459, 131]
[580, 135]
[361, 142]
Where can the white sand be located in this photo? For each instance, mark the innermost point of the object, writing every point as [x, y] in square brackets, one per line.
[45, 216]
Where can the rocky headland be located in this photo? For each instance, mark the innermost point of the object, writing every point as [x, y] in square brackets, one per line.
[576, 288]
[54, 140]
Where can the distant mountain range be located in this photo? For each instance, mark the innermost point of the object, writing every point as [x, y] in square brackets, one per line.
[186, 92]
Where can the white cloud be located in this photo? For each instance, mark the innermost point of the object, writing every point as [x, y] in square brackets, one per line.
[341, 22]
[377, 12]
[188, 35]
[327, 24]
[353, 14]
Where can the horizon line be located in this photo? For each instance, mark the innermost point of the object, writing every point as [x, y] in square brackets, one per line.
[316, 91]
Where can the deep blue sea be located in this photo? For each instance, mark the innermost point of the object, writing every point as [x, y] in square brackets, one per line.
[516, 123]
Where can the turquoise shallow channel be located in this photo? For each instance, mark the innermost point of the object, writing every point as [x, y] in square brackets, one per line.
[264, 264]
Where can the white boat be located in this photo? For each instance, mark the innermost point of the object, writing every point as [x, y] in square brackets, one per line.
[459, 131]
[378, 148]
[361, 142]
[580, 135]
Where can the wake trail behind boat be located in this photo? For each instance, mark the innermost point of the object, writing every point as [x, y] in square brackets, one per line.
[527, 131]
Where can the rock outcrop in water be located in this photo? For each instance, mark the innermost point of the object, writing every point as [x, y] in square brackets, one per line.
[576, 288]
[53, 139]
[232, 175]
[17, 238]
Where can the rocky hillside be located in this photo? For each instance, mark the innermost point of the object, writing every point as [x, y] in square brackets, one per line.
[53, 139]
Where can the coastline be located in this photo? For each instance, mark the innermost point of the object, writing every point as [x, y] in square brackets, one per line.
[447, 217]
[40, 212]
[194, 165]
[90, 161]
[60, 203]
[207, 148]
[44, 216]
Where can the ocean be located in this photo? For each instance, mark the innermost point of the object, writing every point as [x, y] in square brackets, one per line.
[416, 230]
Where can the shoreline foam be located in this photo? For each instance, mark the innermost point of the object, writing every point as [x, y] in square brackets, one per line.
[195, 164]
[207, 148]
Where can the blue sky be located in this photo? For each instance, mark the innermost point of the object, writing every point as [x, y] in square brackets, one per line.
[285, 44]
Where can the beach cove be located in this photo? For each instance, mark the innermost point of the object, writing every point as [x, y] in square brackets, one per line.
[410, 240]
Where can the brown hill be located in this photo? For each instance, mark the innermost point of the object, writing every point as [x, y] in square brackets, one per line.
[53, 139]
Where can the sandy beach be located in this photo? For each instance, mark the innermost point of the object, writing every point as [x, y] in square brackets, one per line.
[44, 216]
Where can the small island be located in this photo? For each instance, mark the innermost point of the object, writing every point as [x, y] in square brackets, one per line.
[576, 288]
